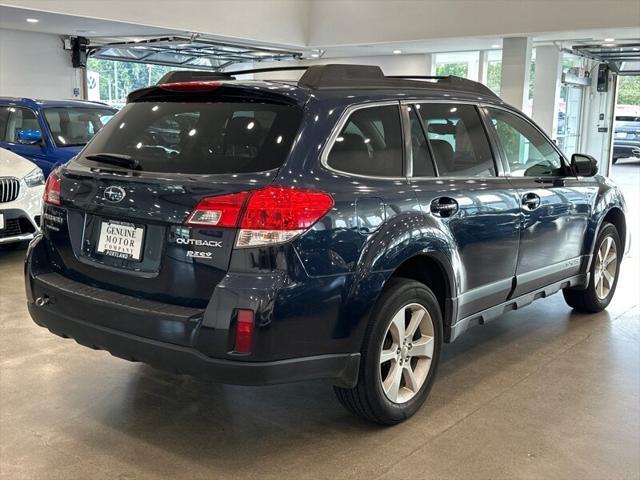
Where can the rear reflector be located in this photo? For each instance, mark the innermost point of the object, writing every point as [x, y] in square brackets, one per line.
[244, 331]
[266, 216]
[52, 190]
[194, 87]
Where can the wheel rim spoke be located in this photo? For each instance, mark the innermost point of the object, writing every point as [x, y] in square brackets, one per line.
[608, 278]
[605, 268]
[397, 328]
[392, 383]
[414, 323]
[389, 354]
[410, 380]
[423, 347]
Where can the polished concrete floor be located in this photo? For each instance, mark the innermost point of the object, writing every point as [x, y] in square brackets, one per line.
[540, 393]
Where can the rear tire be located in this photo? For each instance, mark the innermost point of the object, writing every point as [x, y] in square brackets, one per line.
[605, 268]
[400, 355]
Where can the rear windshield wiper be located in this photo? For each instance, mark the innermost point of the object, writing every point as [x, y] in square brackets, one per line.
[115, 159]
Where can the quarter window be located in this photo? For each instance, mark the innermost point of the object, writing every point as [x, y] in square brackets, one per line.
[370, 143]
[457, 139]
[528, 152]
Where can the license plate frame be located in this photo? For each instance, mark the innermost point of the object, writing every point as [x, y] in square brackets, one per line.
[125, 241]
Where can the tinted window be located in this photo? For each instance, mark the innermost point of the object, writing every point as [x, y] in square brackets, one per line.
[422, 163]
[370, 143]
[458, 140]
[76, 126]
[19, 119]
[528, 152]
[201, 138]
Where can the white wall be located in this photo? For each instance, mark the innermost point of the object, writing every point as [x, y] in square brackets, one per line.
[35, 65]
[344, 22]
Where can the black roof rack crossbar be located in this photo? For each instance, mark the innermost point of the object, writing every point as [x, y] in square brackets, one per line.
[342, 76]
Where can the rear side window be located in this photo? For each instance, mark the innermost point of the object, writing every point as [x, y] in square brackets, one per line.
[370, 143]
[76, 126]
[457, 139]
[201, 138]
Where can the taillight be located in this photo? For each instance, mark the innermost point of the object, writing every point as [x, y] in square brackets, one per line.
[222, 211]
[244, 331]
[266, 216]
[278, 214]
[52, 190]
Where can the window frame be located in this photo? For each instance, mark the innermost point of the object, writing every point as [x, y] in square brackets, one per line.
[493, 147]
[342, 121]
[504, 161]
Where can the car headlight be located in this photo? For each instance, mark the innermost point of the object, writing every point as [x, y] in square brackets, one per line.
[34, 178]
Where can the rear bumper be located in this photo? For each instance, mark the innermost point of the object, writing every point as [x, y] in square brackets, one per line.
[341, 369]
[165, 336]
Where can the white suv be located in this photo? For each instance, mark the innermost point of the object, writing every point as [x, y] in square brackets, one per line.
[21, 189]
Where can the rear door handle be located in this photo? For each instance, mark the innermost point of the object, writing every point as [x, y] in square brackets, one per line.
[444, 207]
[530, 201]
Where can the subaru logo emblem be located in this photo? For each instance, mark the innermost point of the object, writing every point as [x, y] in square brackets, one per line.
[114, 194]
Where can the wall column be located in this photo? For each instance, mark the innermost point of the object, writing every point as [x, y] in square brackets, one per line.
[516, 64]
[546, 93]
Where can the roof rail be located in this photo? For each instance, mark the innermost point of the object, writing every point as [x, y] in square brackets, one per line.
[343, 76]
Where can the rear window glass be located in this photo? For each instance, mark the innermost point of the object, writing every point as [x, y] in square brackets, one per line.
[201, 138]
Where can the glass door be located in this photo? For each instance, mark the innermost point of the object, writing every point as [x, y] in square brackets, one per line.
[569, 118]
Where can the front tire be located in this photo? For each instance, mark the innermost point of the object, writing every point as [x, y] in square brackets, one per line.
[400, 355]
[605, 268]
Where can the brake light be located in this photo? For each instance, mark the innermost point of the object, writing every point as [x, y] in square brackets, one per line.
[222, 211]
[266, 216]
[244, 331]
[52, 190]
[190, 86]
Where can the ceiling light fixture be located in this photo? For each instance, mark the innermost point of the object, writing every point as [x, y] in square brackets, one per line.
[315, 55]
[496, 45]
[609, 40]
[397, 52]
[32, 20]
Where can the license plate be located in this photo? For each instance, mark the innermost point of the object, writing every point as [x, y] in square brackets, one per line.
[120, 240]
[1, 221]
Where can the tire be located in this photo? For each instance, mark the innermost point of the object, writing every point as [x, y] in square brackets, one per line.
[596, 297]
[403, 300]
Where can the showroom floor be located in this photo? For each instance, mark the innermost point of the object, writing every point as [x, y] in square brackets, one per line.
[540, 393]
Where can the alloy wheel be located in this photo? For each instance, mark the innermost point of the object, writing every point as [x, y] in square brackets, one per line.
[406, 353]
[606, 267]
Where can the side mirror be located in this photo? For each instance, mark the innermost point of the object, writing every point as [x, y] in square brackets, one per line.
[27, 136]
[583, 165]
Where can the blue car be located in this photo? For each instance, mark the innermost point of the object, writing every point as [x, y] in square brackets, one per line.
[340, 227]
[49, 132]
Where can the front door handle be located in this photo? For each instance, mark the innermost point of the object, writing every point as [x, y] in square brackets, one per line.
[530, 201]
[444, 207]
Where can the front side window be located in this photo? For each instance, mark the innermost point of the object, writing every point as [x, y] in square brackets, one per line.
[370, 143]
[76, 126]
[20, 122]
[528, 152]
[201, 138]
[457, 139]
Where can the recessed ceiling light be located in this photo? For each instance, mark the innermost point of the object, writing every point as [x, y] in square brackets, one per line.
[609, 40]
[32, 20]
[397, 52]
[315, 55]
[608, 44]
[497, 45]
[636, 49]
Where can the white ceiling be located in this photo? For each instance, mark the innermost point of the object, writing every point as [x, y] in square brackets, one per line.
[102, 30]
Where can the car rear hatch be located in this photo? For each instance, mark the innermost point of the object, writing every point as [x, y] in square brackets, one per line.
[143, 211]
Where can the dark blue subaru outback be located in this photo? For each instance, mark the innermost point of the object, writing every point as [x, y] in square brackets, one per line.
[339, 227]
